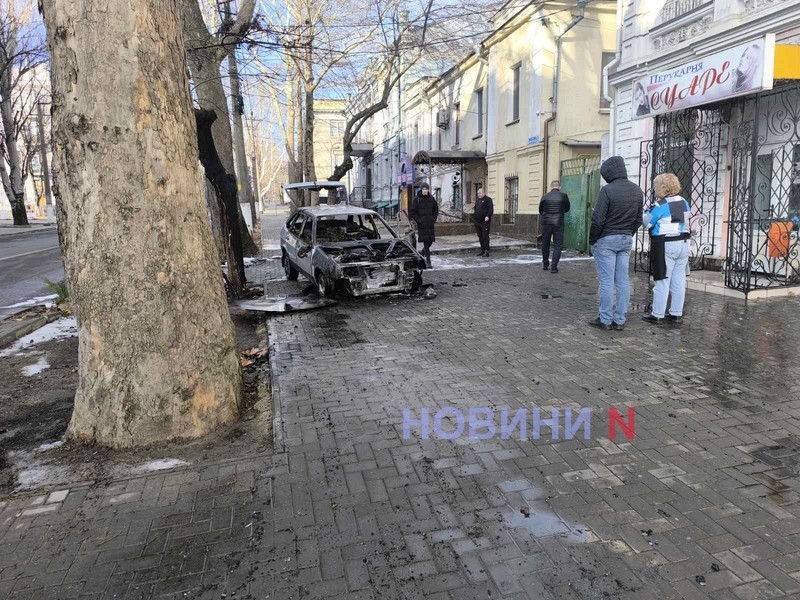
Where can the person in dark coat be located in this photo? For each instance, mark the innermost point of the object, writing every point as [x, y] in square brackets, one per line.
[616, 216]
[424, 212]
[552, 207]
[484, 209]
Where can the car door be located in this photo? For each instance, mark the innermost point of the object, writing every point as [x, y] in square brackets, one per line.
[293, 229]
[306, 242]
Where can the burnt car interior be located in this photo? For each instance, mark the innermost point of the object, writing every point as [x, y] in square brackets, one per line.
[350, 228]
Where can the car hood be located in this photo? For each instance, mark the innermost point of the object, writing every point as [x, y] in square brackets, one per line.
[392, 249]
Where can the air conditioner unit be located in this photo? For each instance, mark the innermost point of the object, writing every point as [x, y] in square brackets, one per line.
[443, 118]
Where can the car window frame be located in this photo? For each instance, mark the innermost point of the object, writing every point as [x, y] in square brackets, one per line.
[297, 217]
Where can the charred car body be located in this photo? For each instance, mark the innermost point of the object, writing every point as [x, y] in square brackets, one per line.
[348, 248]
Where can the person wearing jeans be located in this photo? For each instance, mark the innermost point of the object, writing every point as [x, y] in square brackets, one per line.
[668, 222]
[552, 207]
[616, 217]
[611, 256]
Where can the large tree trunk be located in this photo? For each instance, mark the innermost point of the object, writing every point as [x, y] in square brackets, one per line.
[157, 353]
[205, 59]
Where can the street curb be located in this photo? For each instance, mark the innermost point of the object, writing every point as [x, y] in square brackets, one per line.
[470, 249]
[460, 250]
[24, 328]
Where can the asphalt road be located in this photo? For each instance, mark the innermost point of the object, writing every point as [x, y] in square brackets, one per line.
[26, 260]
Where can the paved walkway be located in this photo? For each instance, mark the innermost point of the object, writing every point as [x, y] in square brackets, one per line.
[702, 503]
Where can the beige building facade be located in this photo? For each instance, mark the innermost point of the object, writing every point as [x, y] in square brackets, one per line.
[502, 118]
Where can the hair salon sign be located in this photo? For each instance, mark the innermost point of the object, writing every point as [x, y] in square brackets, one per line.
[737, 71]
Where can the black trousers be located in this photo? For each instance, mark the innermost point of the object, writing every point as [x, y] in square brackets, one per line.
[557, 233]
[482, 229]
[426, 249]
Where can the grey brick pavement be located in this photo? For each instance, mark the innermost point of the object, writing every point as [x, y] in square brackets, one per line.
[346, 508]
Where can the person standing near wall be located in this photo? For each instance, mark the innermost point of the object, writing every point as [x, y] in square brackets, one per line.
[424, 212]
[552, 207]
[484, 209]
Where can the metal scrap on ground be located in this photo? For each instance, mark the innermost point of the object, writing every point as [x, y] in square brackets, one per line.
[282, 305]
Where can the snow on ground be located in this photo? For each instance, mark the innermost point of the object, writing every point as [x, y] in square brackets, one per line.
[49, 446]
[36, 367]
[64, 327]
[46, 300]
[160, 465]
[465, 261]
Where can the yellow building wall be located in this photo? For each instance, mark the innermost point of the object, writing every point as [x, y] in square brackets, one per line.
[518, 146]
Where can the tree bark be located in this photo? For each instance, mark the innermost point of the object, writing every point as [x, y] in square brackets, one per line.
[225, 187]
[157, 352]
[243, 173]
[205, 56]
[13, 180]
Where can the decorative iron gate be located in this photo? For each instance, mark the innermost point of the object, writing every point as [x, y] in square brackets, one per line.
[764, 210]
[686, 143]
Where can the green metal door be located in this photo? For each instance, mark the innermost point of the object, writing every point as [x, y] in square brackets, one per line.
[580, 180]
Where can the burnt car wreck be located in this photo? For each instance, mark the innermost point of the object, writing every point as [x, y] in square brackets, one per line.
[349, 249]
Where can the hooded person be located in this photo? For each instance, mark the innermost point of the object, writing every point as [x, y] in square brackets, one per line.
[424, 212]
[616, 216]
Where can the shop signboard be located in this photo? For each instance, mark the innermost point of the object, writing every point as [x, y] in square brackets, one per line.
[743, 69]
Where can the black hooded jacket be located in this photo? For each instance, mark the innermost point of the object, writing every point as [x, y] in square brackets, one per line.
[618, 210]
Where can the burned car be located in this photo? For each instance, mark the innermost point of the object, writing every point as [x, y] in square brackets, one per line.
[349, 248]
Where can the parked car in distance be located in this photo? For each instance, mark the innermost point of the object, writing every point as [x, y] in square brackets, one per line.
[348, 248]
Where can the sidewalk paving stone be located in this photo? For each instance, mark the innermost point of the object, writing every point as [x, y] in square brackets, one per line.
[349, 508]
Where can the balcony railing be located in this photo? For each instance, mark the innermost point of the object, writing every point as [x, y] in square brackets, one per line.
[678, 8]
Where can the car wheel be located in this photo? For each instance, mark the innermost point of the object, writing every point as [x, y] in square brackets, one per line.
[325, 286]
[291, 272]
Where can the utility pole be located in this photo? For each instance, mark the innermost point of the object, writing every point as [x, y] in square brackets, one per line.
[254, 161]
[239, 150]
[48, 192]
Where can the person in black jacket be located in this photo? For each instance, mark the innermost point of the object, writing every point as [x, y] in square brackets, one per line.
[424, 212]
[552, 207]
[484, 209]
[616, 217]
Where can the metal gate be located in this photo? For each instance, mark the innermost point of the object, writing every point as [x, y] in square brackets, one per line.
[580, 180]
[686, 143]
[764, 210]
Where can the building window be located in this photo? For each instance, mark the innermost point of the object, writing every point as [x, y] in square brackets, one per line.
[604, 62]
[512, 200]
[439, 131]
[457, 108]
[417, 145]
[479, 111]
[515, 73]
[337, 128]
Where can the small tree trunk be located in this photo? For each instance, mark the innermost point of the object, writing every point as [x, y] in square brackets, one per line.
[13, 182]
[225, 186]
[157, 353]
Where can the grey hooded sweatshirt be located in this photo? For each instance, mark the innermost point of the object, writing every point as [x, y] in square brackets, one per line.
[618, 210]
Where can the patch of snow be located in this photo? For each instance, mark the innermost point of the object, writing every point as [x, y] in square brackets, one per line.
[48, 446]
[36, 367]
[46, 300]
[64, 327]
[41, 475]
[161, 464]
[470, 262]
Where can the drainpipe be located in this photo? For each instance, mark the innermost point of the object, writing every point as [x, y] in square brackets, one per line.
[556, 74]
[612, 117]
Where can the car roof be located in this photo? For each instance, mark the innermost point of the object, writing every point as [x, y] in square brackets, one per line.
[314, 185]
[335, 210]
